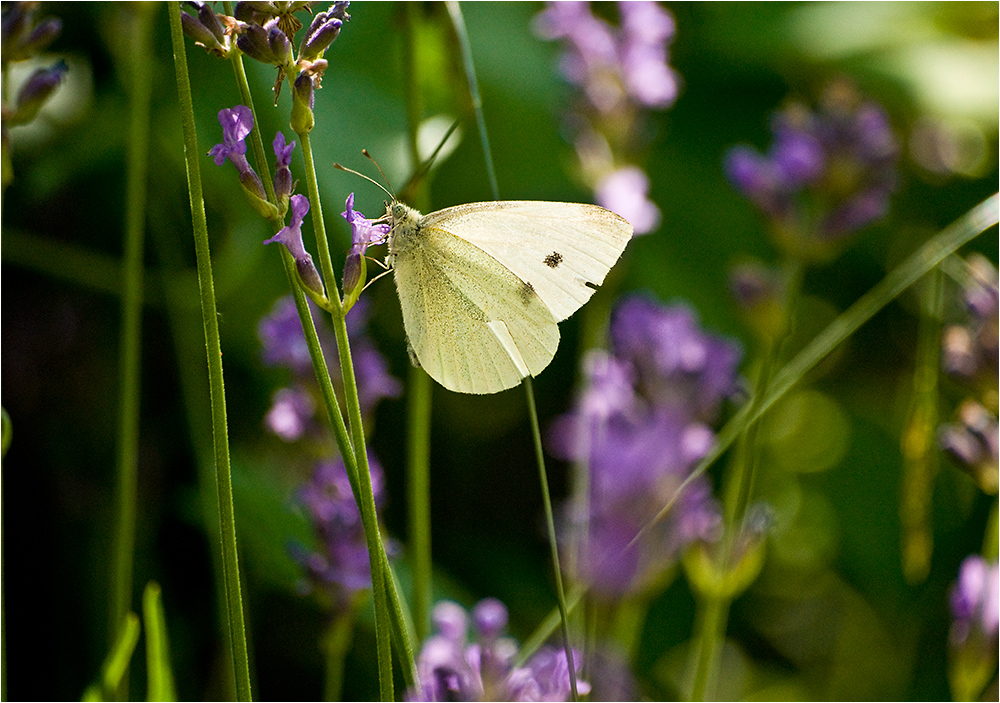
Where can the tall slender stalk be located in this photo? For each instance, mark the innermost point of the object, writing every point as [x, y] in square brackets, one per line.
[418, 408]
[234, 597]
[139, 84]
[477, 103]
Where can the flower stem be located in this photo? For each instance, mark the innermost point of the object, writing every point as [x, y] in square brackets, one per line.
[551, 527]
[136, 170]
[234, 599]
[418, 436]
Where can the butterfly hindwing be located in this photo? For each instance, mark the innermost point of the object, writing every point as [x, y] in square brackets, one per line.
[563, 250]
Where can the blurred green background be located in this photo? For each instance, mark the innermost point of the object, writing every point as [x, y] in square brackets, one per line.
[832, 616]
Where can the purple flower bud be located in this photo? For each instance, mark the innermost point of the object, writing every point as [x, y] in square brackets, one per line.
[322, 31]
[266, 43]
[22, 38]
[489, 618]
[291, 237]
[201, 34]
[208, 18]
[451, 621]
[282, 173]
[36, 90]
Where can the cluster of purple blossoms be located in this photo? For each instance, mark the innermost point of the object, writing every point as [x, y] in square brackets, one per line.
[621, 72]
[451, 668]
[341, 567]
[293, 413]
[24, 37]
[969, 354]
[641, 424]
[827, 173]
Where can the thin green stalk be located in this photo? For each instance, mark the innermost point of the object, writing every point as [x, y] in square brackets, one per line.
[418, 435]
[918, 445]
[336, 643]
[462, 33]
[376, 550]
[139, 86]
[713, 612]
[234, 598]
[551, 527]
[455, 12]
[158, 670]
[418, 442]
[945, 243]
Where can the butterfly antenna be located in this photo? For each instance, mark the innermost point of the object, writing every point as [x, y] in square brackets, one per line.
[372, 159]
[370, 180]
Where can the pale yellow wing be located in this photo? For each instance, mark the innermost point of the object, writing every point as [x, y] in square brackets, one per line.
[564, 250]
[474, 326]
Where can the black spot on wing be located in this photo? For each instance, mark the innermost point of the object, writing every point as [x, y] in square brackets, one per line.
[553, 260]
[527, 292]
[591, 285]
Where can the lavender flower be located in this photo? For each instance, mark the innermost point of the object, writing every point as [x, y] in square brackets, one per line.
[827, 174]
[975, 613]
[969, 354]
[641, 424]
[451, 668]
[23, 37]
[975, 609]
[237, 123]
[291, 237]
[284, 345]
[621, 72]
[364, 233]
[341, 567]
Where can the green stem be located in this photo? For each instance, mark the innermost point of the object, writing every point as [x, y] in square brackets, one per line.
[418, 436]
[713, 613]
[551, 527]
[465, 45]
[419, 497]
[234, 598]
[139, 86]
[962, 231]
[336, 643]
[455, 12]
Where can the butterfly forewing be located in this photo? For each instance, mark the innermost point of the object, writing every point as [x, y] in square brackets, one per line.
[563, 250]
[474, 325]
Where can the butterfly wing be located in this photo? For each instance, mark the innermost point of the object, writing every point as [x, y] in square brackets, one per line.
[563, 250]
[474, 326]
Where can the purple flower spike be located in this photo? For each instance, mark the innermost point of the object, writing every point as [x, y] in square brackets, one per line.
[341, 567]
[452, 669]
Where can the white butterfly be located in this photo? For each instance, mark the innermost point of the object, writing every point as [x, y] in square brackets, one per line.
[483, 285]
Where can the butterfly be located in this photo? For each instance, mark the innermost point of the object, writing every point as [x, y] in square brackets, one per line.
[482, 286]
